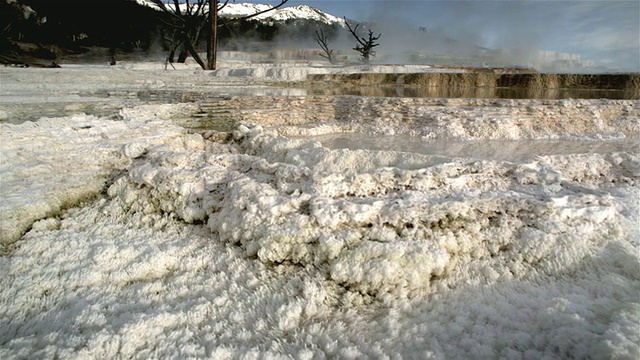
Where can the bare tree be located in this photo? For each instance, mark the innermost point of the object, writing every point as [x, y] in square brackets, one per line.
[365, 45]
[186, 22]
[323, 41]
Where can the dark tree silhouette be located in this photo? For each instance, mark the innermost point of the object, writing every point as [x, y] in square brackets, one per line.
[59, 28]
[323, 41]
[365, 45]
[186, 22]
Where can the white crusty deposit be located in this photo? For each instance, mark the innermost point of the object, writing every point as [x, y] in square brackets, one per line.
[380, 222]
[56, 163]
[138, 238]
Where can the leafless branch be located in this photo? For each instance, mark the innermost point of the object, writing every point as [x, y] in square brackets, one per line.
[282, 2]
[353, 31]
[223, 5]
[323, 41]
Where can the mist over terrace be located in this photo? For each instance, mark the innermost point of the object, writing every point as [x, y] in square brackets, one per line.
[564, 36]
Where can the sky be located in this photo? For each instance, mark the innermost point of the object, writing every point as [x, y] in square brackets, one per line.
[606, 32]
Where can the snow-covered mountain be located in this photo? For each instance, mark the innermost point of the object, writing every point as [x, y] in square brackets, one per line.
[243, 9]
[298, 12]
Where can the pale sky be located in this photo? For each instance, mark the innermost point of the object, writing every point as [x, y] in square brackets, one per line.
[605, 31]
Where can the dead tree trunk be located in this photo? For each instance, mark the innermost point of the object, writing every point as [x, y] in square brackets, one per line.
[112, 56]
[212, 49]
[365, 45]
[183, 55]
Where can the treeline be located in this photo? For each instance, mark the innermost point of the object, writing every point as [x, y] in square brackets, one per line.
[55, 28]
[73, 26]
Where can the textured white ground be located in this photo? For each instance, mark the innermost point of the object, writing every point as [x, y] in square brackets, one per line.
[131, 237]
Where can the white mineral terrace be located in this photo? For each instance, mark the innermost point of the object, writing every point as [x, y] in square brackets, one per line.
[311, 227]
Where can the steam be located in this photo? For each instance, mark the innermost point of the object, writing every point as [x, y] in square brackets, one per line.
[457, 33]
[462, 33]
[550, 35]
